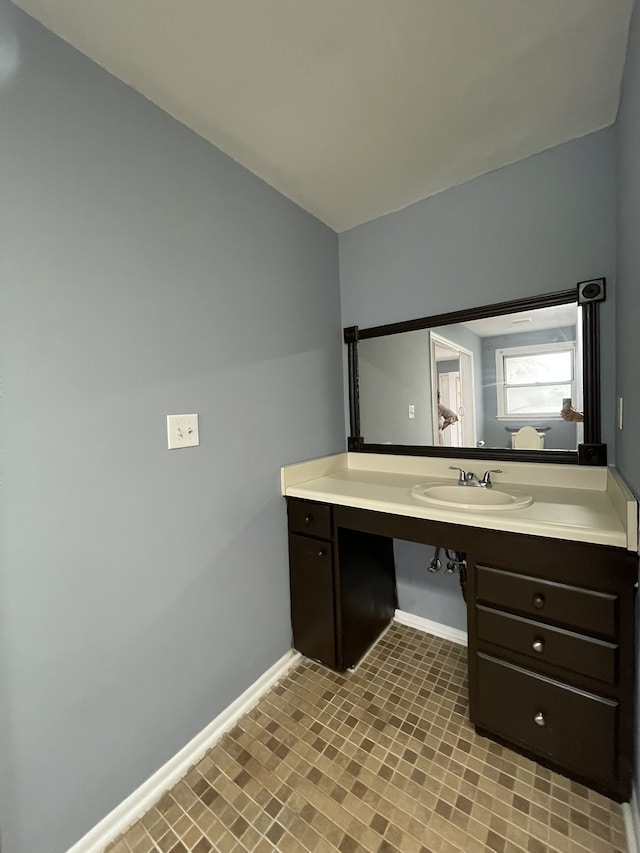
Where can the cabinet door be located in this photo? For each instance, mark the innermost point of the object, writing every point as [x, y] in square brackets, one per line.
[572, 728]
[312, 598]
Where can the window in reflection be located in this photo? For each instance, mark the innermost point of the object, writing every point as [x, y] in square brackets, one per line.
[535, 381]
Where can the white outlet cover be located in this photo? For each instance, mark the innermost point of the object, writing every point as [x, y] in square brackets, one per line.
[182, 431]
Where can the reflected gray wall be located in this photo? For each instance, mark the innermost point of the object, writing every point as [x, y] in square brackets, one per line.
[451, 366]
[561, 435]
[143, 272]
[394, 373]
[537, 226]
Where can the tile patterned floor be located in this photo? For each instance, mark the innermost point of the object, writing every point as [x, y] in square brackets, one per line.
[381, 759]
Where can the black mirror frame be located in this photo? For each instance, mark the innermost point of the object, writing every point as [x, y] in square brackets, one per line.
[588, 294]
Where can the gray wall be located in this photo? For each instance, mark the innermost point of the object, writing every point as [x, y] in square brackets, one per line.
[393, 374]
[628, 284]
[538, 226]
[628, 257]
[451, 366]
[439, 597]
[143, 273]
[562, 434]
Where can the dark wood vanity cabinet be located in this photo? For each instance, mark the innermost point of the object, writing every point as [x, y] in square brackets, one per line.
[551, 654]
[342, 583]
[312, 598]
[551, 626]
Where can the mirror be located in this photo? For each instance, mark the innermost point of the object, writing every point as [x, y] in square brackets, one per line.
[514, 380]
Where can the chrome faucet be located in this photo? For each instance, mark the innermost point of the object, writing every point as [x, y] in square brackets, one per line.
[486, 478]
[466, 478]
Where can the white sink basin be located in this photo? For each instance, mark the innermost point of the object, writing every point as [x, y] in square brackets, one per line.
[470, 497]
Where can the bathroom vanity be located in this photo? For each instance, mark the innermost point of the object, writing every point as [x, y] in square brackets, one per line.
[550, 592]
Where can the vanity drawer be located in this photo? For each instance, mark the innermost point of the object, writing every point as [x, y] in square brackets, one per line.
[572, 606]
[312, 598]
[308, 518]
[571, 728]
[593, 658]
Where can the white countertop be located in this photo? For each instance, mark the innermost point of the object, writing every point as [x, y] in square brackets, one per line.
[578, 503]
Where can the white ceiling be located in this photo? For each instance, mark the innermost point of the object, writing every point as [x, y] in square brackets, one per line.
[355, 108]
[551, 317]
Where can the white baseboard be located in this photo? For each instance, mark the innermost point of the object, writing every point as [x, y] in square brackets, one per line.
[429, 627]
[138, 802]
[631, 814]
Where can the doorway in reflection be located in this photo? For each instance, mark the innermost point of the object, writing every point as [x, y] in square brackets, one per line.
[452, 384]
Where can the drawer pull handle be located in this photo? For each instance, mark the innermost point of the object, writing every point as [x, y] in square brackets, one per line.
[538, 601]
[539, 719]
[322, 553]
[538, 646]
[308, 519]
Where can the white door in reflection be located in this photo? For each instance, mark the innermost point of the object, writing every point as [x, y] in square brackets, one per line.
[467, 400]
[448, 400]
[452, 388]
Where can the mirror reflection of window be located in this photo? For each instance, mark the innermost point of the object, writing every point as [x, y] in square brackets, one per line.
[531, 365]
[534, 381]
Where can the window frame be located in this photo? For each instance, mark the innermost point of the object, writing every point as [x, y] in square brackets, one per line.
[530, 349]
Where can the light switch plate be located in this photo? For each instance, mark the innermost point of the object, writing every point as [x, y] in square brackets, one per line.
[182, 431]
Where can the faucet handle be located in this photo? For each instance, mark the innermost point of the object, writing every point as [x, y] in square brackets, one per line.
[463, 474]
[486, 477]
